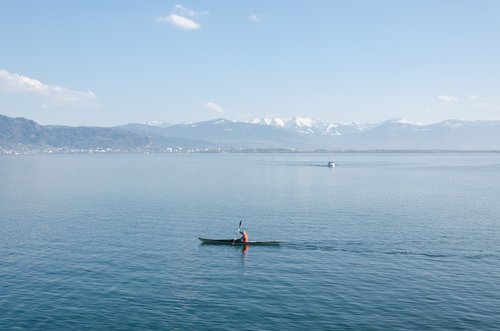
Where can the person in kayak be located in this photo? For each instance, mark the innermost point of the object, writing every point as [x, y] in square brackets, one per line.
[244, 237]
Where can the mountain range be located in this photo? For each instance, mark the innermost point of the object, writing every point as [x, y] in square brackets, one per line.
[298, 134]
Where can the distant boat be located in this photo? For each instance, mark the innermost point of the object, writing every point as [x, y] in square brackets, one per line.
[331, 164]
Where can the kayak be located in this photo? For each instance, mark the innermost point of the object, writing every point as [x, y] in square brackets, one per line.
[239, 243]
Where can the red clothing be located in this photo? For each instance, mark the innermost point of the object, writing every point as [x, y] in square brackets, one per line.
[245, 238]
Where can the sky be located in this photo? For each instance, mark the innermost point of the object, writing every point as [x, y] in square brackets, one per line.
[114, 62]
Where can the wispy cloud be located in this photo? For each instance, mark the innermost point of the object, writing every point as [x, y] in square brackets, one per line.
[19, 83]
[255, 18]
[183, 18]
[447, 98]
[212, 106]
[181, 10]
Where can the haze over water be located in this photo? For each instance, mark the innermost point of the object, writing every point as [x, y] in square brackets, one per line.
[382, 241]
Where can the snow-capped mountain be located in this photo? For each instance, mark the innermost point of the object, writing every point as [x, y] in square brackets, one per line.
[307, 133]
[266, 133]
[276, 121]
[397, 133]
[309, 126]
[282, 122]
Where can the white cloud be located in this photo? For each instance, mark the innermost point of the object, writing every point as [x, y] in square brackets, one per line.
[447, 98]
[214, 107]
[20, 83]
[256, 18]
[472, 96]
[180, 22]
[178, 18]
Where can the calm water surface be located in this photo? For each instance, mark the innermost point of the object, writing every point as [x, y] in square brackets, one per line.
[383, 241]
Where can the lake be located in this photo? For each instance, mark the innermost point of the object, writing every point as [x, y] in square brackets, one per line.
[382, 241]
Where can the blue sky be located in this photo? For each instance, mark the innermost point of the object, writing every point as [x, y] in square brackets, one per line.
[114, 62]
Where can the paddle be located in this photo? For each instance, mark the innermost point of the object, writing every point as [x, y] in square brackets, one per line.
[239, 227]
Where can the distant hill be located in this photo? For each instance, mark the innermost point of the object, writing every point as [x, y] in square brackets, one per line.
[21, 132]
[24, 135]
[237, 135]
